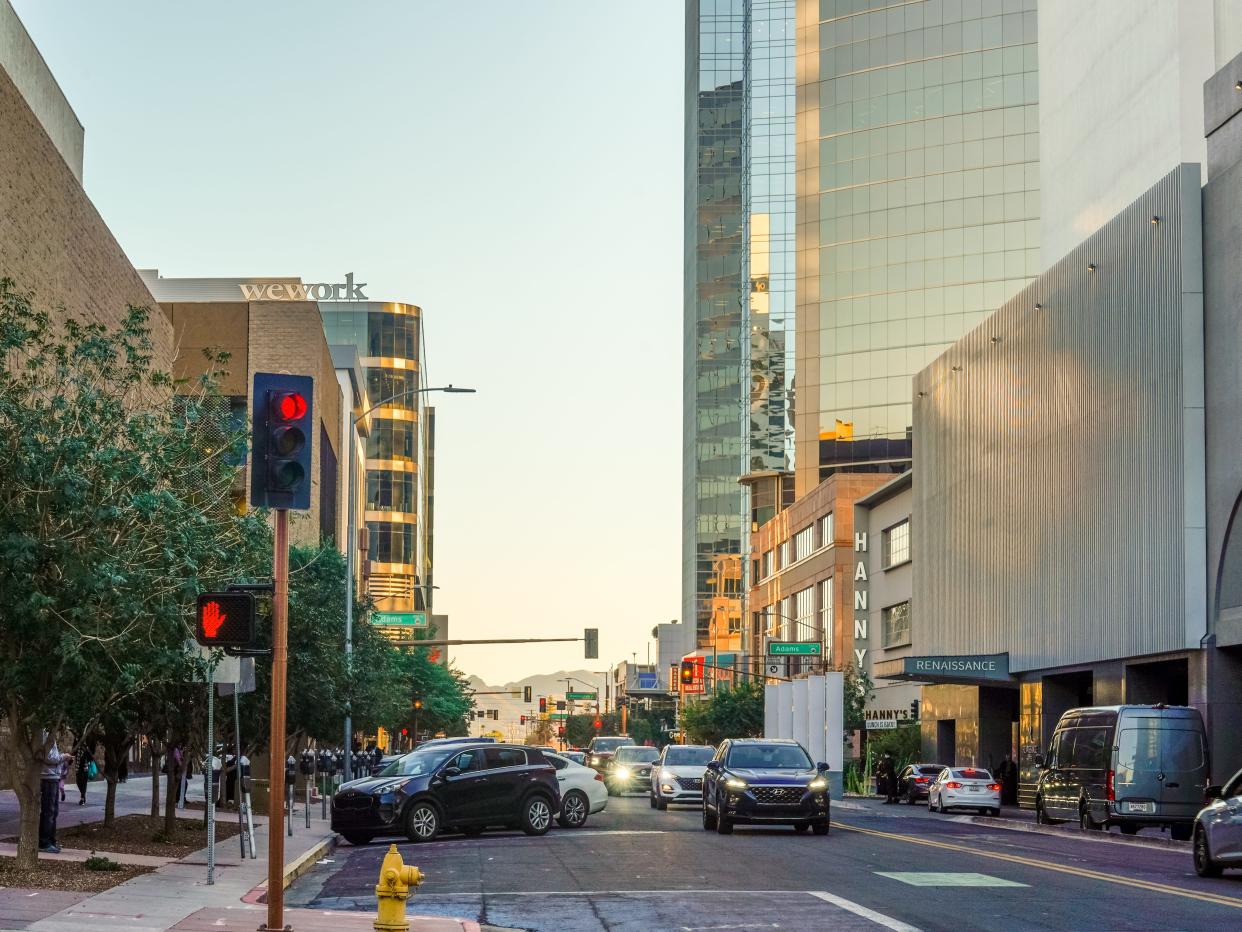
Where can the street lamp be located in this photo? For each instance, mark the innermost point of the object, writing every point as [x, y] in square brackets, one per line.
[351, 538]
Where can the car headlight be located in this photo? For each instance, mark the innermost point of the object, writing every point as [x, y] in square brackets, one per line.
[388, 787]
[818, 785]
[734, 783]
[623, 773]
[594, 760]
[667, 776]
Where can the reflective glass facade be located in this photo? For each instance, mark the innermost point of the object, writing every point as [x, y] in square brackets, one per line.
[738, 300]
[387, 337]
[918, 194]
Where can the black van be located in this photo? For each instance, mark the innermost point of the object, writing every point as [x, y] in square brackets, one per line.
[1129, 766]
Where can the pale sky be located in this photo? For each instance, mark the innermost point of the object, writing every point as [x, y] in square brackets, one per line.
[514, 168]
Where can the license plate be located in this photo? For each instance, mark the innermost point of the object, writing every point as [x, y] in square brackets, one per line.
[1140, 807]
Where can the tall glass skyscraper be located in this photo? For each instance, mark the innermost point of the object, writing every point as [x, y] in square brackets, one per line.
[918, 196]
[738, 300]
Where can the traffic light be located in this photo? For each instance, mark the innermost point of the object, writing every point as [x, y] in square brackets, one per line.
[560, 705]
[591, 639]
[281, 431]
[543, 705]
[405, 732]
[560, 732]
[526, 694]
[914, 709]
[225, 619]
[687, 673]
[418, 704]
[598, 724]
[523, 718]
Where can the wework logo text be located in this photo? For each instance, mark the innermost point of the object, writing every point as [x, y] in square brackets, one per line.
[295, 291]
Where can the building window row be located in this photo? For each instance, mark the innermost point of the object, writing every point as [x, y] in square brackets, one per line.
[390, 490]
[398, 384]
[392, 440]
[895, 621]
[807, 541]
[391, 543]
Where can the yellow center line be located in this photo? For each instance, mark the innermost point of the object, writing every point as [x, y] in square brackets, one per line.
[1051, 866]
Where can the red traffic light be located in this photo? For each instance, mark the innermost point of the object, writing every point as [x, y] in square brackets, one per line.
[404, 732]
[225, 619]
[543, 704]
[288, 406]
[523, 718]
[598, 723]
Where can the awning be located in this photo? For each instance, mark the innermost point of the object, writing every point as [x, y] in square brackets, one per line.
[963, 668]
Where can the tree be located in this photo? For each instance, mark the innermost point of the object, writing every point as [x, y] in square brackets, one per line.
[729, 713]
[114, 513]
[858, 692]
[580, 729]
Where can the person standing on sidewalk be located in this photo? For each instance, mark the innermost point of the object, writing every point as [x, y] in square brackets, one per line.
[1007, 776]
[49, 797]
[886, 778]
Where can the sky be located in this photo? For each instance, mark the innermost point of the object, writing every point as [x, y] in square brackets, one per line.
[514, 168]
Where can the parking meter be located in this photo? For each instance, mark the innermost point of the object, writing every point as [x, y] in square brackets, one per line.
[291, 771]
[307, 762]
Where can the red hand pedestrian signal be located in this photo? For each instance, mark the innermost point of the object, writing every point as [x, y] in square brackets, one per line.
[212, 619]
[225, 619]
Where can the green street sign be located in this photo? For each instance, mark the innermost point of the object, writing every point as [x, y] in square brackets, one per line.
[795, 648]
[558, 715]
[408, 619]
[588, 696]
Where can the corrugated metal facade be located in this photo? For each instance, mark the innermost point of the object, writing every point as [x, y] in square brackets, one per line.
[1059, 455]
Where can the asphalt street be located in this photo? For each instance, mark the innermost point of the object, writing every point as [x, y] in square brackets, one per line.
[896, 868]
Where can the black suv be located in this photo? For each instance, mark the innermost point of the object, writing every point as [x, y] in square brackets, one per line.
[468, 788]
[765, 781]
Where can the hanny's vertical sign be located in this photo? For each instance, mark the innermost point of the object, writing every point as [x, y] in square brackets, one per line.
[860, 598]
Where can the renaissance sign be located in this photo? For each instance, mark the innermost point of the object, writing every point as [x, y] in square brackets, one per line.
[296, 291]
[960, 668]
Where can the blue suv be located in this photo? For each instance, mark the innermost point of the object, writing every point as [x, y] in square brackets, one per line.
[765, 781]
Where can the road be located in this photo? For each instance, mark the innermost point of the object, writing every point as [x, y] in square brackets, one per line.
[894, 868]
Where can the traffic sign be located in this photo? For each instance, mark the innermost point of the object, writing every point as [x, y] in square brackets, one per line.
[558, 715]
[408, 619]
[572, 697]
[225, 619]
[795, 648]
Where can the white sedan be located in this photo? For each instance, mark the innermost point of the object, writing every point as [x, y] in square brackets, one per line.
[677, 777]
[582, 791]
[964, 788]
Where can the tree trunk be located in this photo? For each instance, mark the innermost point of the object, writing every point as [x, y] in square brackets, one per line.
[114, 752]
[155, 780]
[24, 770]
[170, 799]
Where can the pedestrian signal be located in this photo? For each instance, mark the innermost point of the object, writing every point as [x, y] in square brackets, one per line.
[225, 619]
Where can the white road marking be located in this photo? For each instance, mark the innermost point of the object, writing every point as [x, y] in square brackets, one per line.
[888, 922]
[943, 879]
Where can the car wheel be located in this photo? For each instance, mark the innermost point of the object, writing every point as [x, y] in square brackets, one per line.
[357, 838]
[1085, 820]
[910, 798]
[422, 821]
[724, 825]
[801, 826]
[536, 815]
[1180, 832]
[662, 804]
[574, 810]
[651, 798]
[709, 817]
[1204, 865]
[1041, 814]
[1128, 829]
[821, 828]
[931, 806]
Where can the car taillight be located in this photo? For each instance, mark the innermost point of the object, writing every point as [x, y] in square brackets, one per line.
[1109, 792]
[994, 787]
[598, 776]
[953, 785]
[921, 779]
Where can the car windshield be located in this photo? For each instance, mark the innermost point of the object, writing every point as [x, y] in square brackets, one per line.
[680, 757]
[609, 744]
[636, 755]
[768, 757]
[972, 773]
[417, 763]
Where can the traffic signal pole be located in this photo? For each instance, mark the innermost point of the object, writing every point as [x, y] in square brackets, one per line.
[276, 741]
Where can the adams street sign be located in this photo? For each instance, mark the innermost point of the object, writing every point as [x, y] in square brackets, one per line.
[794, 648]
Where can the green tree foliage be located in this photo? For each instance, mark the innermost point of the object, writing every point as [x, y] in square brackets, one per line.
[903, 743]
[114, 513]
[858, 691]
[730, 713]
[580, 729]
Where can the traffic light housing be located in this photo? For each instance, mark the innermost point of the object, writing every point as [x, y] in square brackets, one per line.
[282, 430]
[543, 705]
[591, 641]
[526, 694]
[523, 718]
[687, 673]
[914, 709]
[225, 619]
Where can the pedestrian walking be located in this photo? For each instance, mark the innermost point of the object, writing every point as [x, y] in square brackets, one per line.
[49, 796]
[1007, 776]
[84, 755]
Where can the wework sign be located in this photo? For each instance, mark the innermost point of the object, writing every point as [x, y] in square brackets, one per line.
[296, 291]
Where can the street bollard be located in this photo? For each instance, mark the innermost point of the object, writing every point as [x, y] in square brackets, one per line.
[393, 889]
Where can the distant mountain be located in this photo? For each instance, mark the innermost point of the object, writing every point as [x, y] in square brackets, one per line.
[511, 708]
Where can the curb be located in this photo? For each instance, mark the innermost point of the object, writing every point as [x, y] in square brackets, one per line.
[295, 868]
[1015, 825]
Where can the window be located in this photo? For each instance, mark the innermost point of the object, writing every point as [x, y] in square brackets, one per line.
[825, 610]
[391, 543]
[505, 757]
[804, 542]
[767, 564]
[392, 440]
[826, 531]
[804, 614]
[391, 491]
[383, 384]
[897, 544]
[468, 760]
[785, 550]
[896, 622]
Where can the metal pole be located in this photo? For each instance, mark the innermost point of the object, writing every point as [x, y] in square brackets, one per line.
[289, 807]
[209, 773]
[308, 801]
[237, 769]
[351, 545]
[276, 740]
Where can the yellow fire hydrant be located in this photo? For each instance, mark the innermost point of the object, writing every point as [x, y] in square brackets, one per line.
[393, 889]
